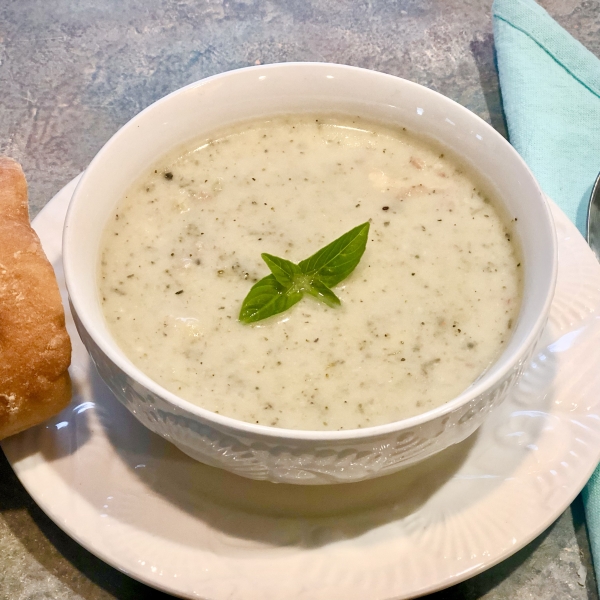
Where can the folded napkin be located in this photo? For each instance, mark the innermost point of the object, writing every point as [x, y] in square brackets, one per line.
[551, 95]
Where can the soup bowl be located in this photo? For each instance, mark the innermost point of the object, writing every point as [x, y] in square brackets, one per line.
[285, 455]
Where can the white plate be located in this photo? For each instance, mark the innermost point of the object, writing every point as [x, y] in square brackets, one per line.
[144, 507]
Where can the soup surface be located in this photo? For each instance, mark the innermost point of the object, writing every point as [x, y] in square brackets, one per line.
[425, 312]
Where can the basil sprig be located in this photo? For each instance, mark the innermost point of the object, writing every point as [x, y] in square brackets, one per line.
[315, 276]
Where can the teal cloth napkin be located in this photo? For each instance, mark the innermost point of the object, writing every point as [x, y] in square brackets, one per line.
[551, 94]
[550, 87]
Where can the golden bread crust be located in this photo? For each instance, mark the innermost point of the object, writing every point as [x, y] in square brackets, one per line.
[35, 349]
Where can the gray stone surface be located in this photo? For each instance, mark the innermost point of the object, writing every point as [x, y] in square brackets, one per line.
[73, 71]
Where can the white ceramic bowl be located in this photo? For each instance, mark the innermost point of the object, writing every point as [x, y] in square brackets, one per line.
[281, 455]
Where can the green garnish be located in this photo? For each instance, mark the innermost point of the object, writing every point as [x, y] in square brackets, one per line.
[288, 281]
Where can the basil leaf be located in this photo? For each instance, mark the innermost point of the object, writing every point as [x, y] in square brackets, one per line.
[266, 298]
[323, 293]
[288, 281]
[337, 260]
[283, 270]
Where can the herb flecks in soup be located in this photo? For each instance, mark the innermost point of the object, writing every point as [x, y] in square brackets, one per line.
[428, 308]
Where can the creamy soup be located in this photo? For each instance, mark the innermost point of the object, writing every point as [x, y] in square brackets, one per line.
[426, 311]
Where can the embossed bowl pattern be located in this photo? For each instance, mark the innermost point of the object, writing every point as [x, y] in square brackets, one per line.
[304, 457]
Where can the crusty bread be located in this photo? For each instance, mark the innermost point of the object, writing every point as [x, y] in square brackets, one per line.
[35, 349]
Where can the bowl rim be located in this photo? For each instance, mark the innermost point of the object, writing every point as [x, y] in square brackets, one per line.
[231, 424]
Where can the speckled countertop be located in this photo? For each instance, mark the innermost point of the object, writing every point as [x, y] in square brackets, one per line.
[72, 72]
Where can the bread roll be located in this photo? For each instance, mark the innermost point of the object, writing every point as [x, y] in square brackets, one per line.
[35, 349]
